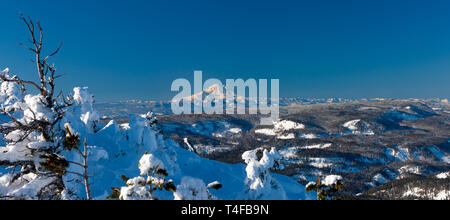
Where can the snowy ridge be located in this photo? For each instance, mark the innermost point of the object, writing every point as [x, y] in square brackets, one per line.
[358, 127]
[280, 128]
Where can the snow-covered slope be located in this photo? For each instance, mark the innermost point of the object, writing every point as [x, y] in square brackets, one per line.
[281, 129]
[116, 151]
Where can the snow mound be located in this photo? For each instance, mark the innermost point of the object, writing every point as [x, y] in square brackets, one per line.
[352, 124]
[266, 131]
[331, 180]
[149, 162]
[410, 169]
[286, 125]
[192, 189]
[357, 127]
[287, 136]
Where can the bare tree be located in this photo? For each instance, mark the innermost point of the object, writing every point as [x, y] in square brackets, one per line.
[73, 139]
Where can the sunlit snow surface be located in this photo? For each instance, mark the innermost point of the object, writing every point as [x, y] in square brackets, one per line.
[116, 150]
[125, 148]
[280, 127]
[124, 158]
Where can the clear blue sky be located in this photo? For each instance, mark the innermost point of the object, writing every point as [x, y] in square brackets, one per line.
[135, 49]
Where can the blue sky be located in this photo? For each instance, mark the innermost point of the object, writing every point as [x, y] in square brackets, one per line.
[135, 49]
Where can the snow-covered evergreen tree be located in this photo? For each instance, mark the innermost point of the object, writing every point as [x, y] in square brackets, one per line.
[260, 183]
[195, 189]
[326, 188]
[32, 134]
[153, 177]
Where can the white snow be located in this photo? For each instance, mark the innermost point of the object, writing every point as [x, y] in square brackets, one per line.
[125, 126]
[215, 183]
[190, 148]
[416, 191]
[287, 136]
[209, 149]
[379, 178]
[443, 195]
[280, 128]
[261, 185]
[149, 162]
[191, 189]
[135, 189]
[289, 153]
[358, 127]
[10, 92]
[318, 146]
[331, 180]
[97, 153]
[235, 130]
[35, 109]
[220, 129]
[85, 102]
[26, 187]
[352, 124]
[319, 162]
[440, 155]
[39, 145]
[443, 175]
[308, 136]
[286, 125]
[266, 131]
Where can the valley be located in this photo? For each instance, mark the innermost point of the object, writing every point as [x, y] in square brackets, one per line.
[373, 144]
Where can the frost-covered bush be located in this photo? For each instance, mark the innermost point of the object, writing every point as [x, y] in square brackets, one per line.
[260, 183]
[153, 177]
[195, 189]
[85, 109]
[33, 139]
[326, 188]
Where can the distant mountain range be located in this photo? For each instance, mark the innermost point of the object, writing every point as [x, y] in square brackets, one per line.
[383, 148]
[122, 109]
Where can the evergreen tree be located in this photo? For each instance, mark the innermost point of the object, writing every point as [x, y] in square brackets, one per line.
[327, 188]
[152, 177]
[259, 181]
